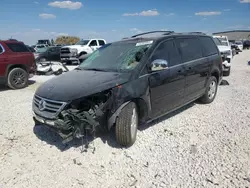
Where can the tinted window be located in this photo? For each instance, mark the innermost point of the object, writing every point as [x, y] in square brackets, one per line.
[17, 47]
[58, 49]
[93, 43]
[82, 42]
[190, 48]
[101, 42]
[208, 45]
[1, 50]
[168, 52]
[54, 49]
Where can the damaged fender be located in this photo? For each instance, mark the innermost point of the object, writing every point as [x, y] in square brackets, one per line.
[112, 119]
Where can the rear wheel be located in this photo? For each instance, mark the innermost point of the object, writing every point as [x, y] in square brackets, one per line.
[211, 91]
[17, 78]
[126, 125]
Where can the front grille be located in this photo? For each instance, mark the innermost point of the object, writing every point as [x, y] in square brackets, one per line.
[47, 108]
[65, 50]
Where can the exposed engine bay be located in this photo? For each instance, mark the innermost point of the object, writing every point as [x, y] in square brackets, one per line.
[84, 117]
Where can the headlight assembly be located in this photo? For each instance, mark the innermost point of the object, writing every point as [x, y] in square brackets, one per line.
[73, 50]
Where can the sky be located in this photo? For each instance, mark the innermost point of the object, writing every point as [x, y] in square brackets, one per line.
[30, 20]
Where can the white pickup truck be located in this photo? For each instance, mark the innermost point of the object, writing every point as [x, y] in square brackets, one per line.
[225, 50]
[83, 47]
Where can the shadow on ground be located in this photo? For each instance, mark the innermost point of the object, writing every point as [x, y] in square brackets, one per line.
[167, 116]
[4, 87]
[52, 138]
[224, 83]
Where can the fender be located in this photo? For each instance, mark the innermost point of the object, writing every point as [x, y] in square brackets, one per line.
[10, 66]
[112, 119]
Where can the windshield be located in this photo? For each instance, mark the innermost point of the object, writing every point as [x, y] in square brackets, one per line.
[116, 57]
[238, 42]
[82, 42]
[41, 50]
[40, 46]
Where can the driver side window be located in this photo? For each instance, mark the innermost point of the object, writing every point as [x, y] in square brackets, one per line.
[168, 52]
[93, 43]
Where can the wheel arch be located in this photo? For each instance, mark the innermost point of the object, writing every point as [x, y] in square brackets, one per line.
[216, 74]
[141, 107]
[82, 53]
[10, 67]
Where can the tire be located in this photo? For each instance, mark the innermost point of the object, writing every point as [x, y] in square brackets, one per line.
[17, 78]
[227, 73]
[211, 91]
[42, 60]
[125, 130]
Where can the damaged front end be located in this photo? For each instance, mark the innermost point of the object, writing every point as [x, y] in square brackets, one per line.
[83, 117]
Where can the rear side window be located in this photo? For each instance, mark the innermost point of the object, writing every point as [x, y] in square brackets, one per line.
[17, 47]
[1, 49]
[208, 46]
[167, 51]
[93, 43]
[190, 48]
[101, 42]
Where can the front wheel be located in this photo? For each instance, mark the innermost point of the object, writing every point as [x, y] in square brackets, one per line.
[211, 91]
[126, 125]
[17, 78]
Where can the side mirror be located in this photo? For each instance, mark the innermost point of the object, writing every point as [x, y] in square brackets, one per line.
[158, 64]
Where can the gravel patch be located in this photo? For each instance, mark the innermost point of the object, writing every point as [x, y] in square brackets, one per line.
[197, 146]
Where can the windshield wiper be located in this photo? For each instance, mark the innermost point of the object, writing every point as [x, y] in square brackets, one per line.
[94, 69]
[78, 68]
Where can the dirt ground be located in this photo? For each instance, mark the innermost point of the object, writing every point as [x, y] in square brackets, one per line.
[197, 146]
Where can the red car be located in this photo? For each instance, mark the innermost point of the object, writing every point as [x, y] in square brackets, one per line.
[17, 64]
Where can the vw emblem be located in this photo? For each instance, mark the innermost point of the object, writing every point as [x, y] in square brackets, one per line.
[42, 105]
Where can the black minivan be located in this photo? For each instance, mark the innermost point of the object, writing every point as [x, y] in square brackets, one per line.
[134, 80]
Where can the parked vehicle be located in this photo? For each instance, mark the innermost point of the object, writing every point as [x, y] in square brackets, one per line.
[44, 41]
[235, 48]
[246, 44]
[17, 64]
[73, 52]
[225, 49]
[130, 81]
[49, 54]
[239, 44]
[39, 46]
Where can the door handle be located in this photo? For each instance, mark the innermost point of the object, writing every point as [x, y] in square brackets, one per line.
[189, 68]
[179, 71]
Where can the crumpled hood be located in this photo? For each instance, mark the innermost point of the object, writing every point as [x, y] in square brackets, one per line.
[76, 84]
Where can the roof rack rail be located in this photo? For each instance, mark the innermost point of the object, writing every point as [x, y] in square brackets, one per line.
[164, 33]
[197, 32]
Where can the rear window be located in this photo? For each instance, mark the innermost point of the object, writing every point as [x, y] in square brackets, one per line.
[17, 47]
[190, 48]
[208, 46]
[101, 42]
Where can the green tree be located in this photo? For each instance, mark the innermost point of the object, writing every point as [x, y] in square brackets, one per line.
[69, 40]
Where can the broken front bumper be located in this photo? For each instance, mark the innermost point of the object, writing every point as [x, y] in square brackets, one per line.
[73, 123]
